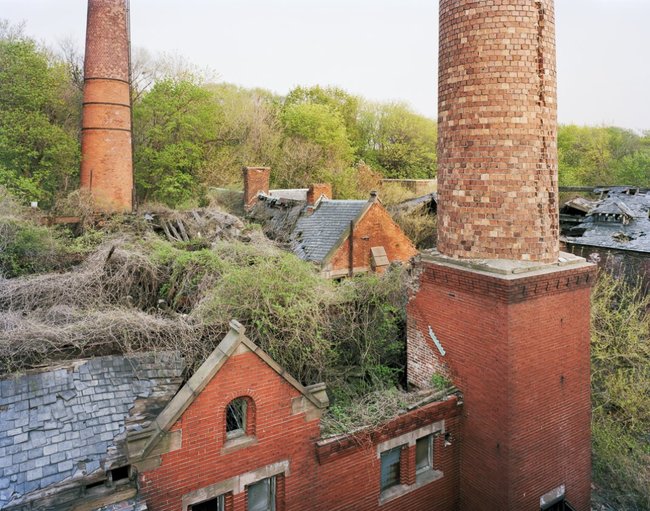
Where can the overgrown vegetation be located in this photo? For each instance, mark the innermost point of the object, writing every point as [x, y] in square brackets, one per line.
[621, 392]
[137, 291]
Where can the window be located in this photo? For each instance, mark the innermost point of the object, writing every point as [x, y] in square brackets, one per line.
[261, 495]
[216, 504]
[390, 473]
[424, 454]
[236, 418]
[562, 505]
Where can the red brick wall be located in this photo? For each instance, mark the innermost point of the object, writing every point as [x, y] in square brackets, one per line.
[519, 351]
[256, 180]
[280, 436]
[316, 190]
[107, 161]
[349, 478]
[376, 228]
[340, 475]
[497, 148]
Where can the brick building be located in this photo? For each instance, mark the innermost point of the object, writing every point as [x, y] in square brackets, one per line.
[498, 309]
[342, 237]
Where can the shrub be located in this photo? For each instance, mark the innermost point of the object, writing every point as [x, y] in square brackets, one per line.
[620, 391]
[26, 249]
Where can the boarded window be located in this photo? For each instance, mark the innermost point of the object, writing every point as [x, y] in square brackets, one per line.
[236, 418]
[217, 504]
[390, 461]
[261, 495]
[424, 454]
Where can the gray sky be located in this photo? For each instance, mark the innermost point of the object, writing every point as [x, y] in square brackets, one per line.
[381, 49]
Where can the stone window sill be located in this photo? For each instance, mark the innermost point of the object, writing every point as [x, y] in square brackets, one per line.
[235, 444]
[421, 480]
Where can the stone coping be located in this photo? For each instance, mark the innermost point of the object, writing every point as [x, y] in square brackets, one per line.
[507, 268]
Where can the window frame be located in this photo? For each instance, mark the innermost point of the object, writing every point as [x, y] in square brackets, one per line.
[221, 503]
[399, 450]
[430, 442]
[243, 421]
[273, 493]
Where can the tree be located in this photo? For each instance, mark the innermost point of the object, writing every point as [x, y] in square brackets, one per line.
[399, 142]
[316, 146]
[39, 148]
[174, 124]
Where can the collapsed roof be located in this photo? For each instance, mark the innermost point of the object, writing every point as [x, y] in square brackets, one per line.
[66, 426]
[619, 220]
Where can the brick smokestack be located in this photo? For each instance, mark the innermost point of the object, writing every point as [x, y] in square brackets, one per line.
[497, 149]
[497, 310]
[107, 159]
[316, 191]
[256, 180]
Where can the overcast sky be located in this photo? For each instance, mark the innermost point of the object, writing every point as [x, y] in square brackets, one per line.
[381, 49]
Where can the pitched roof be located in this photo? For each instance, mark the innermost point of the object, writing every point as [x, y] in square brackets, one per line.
[316, 235]
[602, 228]
[66, 423]
[145, 441]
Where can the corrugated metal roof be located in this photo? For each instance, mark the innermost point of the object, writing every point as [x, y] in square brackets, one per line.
[315, 235]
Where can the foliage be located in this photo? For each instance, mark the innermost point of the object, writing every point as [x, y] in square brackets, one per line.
[26, 248]
[419, 225]
[399, 142]
[173, 125]
[620, 387]
[39, 150]
[591, 156]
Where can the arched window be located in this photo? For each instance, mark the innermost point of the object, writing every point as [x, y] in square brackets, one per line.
[239, 417]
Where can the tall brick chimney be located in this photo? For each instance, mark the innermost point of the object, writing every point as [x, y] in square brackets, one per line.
[497, 149]
[107, 159]
[499, 310]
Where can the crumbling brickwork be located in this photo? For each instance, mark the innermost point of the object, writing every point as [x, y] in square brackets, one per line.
[497, 148]
[256, 180]
[106, 146]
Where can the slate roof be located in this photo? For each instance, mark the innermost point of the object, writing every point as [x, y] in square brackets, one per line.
[67, 423]
[299, 194]
[314, 236]
[631, 234]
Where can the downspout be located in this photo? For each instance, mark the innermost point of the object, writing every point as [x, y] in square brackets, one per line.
[351, 250]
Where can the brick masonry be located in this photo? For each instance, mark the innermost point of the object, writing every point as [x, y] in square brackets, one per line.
[519, 350]
[317, 190]
[256, 180]
[339, 474]
[106, 145]
[374, 229]
[497, 147]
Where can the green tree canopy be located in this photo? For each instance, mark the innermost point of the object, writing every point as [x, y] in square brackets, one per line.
[174, 124]
[398, 142]
[39, 150]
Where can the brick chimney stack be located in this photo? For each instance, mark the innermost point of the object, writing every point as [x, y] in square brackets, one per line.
[497, 149]
[316, 191]
[256, 180]
[498, 310]
[107, 159]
